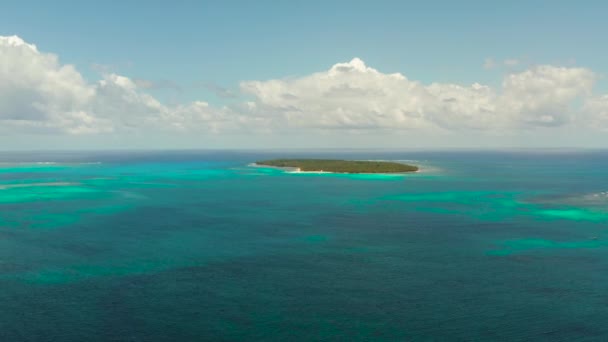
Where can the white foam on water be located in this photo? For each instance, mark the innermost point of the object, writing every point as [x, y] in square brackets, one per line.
[31, 185]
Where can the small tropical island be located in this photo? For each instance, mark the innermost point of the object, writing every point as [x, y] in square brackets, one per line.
[340, 166]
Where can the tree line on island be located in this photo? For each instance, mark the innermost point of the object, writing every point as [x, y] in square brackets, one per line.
[341, 166]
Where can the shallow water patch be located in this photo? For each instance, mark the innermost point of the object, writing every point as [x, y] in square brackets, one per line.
[521, 245]
[45, 192]
[575, 214]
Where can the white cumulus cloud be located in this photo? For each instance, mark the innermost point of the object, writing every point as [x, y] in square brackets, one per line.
[596, 111]
[353, 95]
[39, 94]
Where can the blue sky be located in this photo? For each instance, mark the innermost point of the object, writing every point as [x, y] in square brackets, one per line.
[190, 49]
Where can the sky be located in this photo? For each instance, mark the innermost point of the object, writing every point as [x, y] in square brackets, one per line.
[303, 74]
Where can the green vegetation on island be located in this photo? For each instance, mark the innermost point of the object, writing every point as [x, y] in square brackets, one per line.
[341, 166]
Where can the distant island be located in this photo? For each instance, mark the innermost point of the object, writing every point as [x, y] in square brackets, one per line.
[340, 166]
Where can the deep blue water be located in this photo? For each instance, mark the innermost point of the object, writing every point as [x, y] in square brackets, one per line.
[192, 246]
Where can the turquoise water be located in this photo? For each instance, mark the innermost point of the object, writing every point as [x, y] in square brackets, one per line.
[201, 246]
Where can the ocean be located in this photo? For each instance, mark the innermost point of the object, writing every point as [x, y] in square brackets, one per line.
[202, 246]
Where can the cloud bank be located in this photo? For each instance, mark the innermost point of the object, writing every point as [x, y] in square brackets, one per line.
[40, 95]
[353, 95]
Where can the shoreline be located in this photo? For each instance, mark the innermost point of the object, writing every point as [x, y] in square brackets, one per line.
[297, 170]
